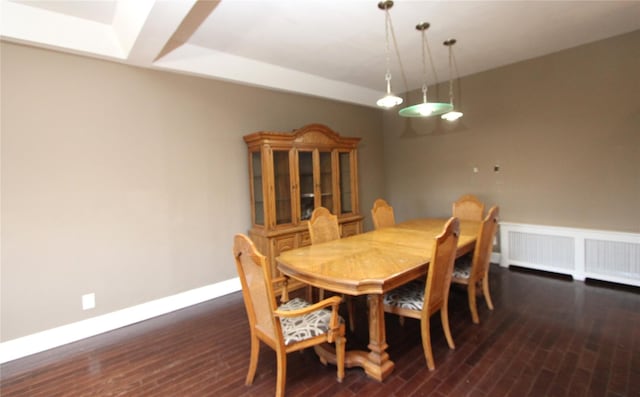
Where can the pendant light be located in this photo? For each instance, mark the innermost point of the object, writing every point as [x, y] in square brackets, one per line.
[453, 115]
[389, 100]
[426, 108]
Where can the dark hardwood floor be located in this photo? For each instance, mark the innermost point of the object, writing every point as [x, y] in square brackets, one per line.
[547, 337]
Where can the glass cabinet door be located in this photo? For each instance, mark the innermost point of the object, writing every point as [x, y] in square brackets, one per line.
[326, 181]
[316, 182]
[256, 188]
[307, 194]
[282, 187]
[346, 194]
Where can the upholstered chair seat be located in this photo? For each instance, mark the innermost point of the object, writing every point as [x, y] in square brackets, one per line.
[462, 267]
[409, 296]
[297, 329]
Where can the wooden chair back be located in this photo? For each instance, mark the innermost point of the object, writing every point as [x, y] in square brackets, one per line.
[323, 226]
[382, 214]
[468, 208]
[441, 268]
[257, 289]
[484, 245]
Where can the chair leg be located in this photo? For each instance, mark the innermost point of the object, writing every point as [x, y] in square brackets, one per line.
[281, 358]
[485, 291]
[309, 294]
[340, 353]
[253, 359]
[426, 343]
[471, 295]
[444, 317]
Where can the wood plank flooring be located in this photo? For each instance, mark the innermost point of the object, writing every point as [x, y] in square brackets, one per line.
[547, 337]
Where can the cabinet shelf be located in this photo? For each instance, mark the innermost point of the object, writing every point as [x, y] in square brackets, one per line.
[312, 195]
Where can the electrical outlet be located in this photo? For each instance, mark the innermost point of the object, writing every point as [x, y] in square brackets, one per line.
[88, 301]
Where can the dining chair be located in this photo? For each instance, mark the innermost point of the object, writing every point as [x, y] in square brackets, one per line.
[292, 326]
[473, 271]
[468, 208]
[323, 226]
[421, 299]
[382, 214]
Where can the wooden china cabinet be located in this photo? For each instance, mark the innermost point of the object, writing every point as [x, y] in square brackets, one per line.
[290, 174]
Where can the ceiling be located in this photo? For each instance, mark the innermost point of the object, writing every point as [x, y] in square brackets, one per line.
[332, 50]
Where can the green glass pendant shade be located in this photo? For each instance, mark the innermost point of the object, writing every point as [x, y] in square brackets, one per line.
[426, 109]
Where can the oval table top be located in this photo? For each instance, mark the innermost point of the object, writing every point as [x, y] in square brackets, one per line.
[373, 262]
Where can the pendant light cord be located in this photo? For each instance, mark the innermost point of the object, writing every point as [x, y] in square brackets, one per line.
[455, 67]
[389, 27]
[387, 76]
[427, 49]
[451, 75]
[452, 65]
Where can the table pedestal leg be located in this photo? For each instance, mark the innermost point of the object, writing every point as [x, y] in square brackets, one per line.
[375, 362]
[380, 364]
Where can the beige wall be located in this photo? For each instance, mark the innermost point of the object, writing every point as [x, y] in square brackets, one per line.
[129, 182]
[564, 128]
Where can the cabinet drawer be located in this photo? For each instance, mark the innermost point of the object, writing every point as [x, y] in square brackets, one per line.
[305, 239]
[284, 243]
[350, 229]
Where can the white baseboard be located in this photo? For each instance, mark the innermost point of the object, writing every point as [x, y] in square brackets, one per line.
[45, 340]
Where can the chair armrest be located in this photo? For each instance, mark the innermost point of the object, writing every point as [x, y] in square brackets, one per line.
[284, 280]
[333, 301]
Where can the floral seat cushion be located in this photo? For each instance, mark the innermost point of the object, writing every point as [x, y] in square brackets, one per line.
[296, 329]
[408, 296]
[462, 267]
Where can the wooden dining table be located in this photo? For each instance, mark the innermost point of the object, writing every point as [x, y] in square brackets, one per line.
[372, 264]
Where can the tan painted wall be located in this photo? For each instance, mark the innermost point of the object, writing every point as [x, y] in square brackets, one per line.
[564, 129]
[129, 182]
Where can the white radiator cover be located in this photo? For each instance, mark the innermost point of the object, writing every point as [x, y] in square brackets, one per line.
[580, 253]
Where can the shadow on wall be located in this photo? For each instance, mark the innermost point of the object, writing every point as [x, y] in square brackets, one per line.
[430, 126]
